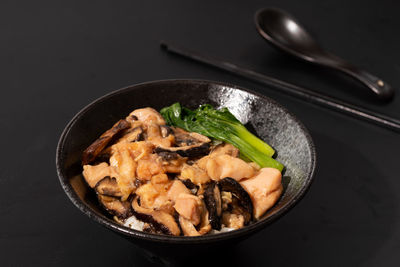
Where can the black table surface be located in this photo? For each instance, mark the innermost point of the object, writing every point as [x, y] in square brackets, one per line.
[57, 56]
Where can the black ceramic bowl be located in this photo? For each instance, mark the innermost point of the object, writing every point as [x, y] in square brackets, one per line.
[268, 119]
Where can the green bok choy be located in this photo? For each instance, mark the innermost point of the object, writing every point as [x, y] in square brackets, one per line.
[222, 125]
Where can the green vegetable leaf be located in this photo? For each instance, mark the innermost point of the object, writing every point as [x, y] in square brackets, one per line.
[222, 125]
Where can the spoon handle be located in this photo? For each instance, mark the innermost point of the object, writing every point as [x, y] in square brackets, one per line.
[380, 88]
[383, 90]
[290, 89]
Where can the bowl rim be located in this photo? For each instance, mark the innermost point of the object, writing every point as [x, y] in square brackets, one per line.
[110, 224]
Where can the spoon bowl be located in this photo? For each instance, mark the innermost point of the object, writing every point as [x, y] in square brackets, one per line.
[285, 33]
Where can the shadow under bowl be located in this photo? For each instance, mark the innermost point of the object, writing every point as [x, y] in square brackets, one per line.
[265, 117]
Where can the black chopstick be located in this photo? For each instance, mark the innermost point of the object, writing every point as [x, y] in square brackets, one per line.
[290, 89]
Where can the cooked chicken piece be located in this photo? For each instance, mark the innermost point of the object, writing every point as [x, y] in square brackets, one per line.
[255, 166]
[222, 166]
[188, 228]
[147, 193]
[93, 174]
[126, 167]
[195, 174]
[164, 204]
[154, 136]
[222, 149]
[176, 189]
[159, 179]
[189, 207]
[231, 220]
[202, 162]
[148, 167]
[138, 150]
[264, 189]
[162, 184]
[154, 195]
[147, 115]
[225, 149]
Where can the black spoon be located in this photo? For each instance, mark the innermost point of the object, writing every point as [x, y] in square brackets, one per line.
[284, 32]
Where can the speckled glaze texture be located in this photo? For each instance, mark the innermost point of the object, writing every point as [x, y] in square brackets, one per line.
[268, 119]
[284, 135]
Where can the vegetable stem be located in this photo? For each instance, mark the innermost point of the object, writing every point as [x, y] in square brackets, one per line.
[222, 125]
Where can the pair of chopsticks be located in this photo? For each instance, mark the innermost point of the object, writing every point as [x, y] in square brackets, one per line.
[290, 89]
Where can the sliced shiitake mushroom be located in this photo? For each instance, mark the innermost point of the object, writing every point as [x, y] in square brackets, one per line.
[165, 131]
[237, 208]
[184, 138]
[191, 186]
[213, 201]
[192, 151]
[167, 156]
[108, 186]
[104, 156]
[161, 222]
[135, 134]
[90, 153]
[191, 145]
[121, 209]
[241, 201]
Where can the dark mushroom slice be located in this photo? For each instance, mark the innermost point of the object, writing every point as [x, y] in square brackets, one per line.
[190, 145]
[241, 200]
[139, 182]
[134, 135]
[184, 138]
[213, 201]
[191, 186]
[90, 153]
[237, 208]
[149, 228]
[193, 151]
[121, 209]
[191, 162]
[161, 222]
[167, 156]
[104, 156]
[109, 187]
[171, 176]
[165, 131]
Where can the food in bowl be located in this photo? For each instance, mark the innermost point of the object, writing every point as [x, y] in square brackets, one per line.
[182, 172]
